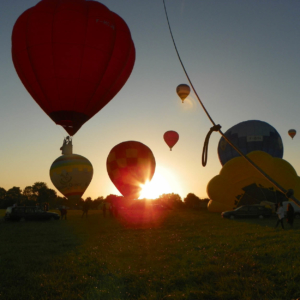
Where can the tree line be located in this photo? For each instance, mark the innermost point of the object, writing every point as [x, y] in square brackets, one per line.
[39, 194]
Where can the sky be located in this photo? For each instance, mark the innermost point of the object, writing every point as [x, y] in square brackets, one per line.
[242, 57]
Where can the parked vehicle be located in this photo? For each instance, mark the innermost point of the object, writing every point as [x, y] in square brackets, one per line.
[22, 213]
[248, 211]
[295, 206]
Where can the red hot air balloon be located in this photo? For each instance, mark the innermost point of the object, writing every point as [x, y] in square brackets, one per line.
[73, 57]
[129, 165]
[292, 133]
[171, 138]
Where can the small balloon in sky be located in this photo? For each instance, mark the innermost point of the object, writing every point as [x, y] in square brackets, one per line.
[73, 57]
[183, 90]
[71, 173]
[292, 133]
[171, 138]
[129, 166]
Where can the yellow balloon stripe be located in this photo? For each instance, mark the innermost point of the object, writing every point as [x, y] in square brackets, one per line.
[71, 168]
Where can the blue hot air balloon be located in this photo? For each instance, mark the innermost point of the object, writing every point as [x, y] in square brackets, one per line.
[250, 136]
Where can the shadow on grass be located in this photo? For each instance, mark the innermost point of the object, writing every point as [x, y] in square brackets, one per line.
[268, 222]
[29, 252]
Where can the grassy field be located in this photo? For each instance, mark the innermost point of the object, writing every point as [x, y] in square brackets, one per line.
[175, 255]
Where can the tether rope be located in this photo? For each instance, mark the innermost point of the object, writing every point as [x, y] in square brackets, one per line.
[287, 193]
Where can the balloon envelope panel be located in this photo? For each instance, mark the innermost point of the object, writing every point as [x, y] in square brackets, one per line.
[73, 57]
[71, 175]
[250, 136]
[129, 165]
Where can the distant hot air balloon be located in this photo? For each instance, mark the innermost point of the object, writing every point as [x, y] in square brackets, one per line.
[73, 57]
[71, 173]
[171, 138]
[292, 133]
[183, 90]
[129, 165]
[250, 136]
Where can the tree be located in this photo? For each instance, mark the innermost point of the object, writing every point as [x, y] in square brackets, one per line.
[97, 203]
[170, 200]
[13, 195]
[29, 196]
[43, 193]
[2, 197]
[60, 201]
[204, 203]
[192, 201]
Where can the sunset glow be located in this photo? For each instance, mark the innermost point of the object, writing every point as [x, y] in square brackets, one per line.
[163, 182]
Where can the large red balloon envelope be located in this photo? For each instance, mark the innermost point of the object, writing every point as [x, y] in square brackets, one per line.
[129, 165]
[73, 57]
[171, 138]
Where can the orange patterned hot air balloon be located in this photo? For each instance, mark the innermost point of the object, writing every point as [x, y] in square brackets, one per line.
[171, 138]
[183, 90]
[292, 133]
[129, 165]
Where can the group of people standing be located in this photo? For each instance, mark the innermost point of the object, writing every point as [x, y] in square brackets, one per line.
[290, 215]
[106, 206]
[111, 208]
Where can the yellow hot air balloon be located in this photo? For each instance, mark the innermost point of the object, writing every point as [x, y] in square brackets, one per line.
[238, 183]
[183, 90]
[71, 173]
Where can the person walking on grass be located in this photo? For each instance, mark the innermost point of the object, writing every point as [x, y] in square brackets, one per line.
[290, 214]
[63, 213]
[85, 208]
[280, 213]
[104, 208]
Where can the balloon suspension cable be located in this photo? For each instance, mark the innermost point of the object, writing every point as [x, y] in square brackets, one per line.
[288, 193]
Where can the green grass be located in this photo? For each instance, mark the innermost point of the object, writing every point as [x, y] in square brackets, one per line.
[182, 255]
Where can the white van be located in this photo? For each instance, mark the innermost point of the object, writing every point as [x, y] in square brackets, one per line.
[295, 206]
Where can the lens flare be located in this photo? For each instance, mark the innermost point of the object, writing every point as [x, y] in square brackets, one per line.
[158, 185]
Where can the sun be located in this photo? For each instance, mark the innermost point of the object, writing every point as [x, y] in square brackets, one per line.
[158, 185]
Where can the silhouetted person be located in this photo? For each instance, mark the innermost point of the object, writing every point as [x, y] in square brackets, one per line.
[63, 213]
[104, 209]
[290, 214]
[111, 209]
[115, 210]
[85, 208]
[280, 213]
